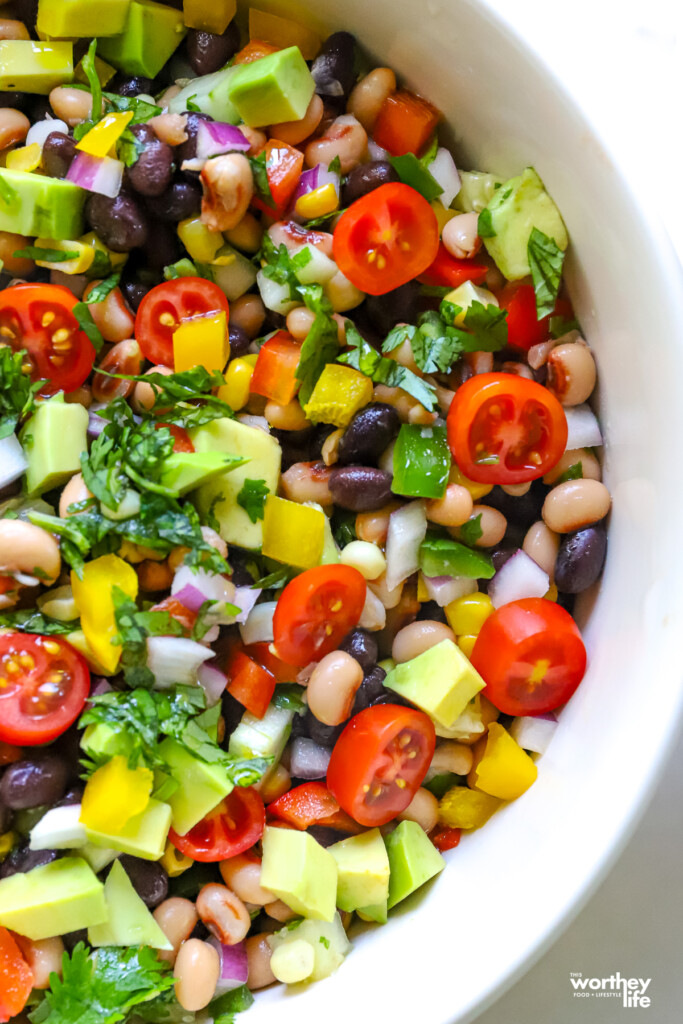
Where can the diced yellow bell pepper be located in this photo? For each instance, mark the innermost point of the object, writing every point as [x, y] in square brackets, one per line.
[318, 202]
[293, 533]
[116, 259]
[456, 476]
[25, 159]
[93, 597]
[466, 615]
[442, 214]
[283, 33]
[422, 592]
[466, 808]
[551, 595]
[505, 771]
[114, 795]
[174, 862]
[7, 841]
[77, 639]
[106, 133]
[466, 644]
[80, 264]
[209, 15]
[201, 243]
[202, 341]
[237, 388]
[340, 392]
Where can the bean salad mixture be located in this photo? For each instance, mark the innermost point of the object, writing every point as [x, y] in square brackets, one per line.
[298, 484]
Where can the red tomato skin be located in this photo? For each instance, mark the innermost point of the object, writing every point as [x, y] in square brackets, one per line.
[445, 838]
[181, 438]
[468, 410]
[526, 633]
[177, 611]
[284, 165]
[210, 840]
[304, 614]
[250, 684]
[23, 307]
[262, 654]
[50, 654]
[448, 272]
[372, 263]
[274, 375]
[363, 748]
[405, 123]
[311, 803]
[181, 299]
[16, 978]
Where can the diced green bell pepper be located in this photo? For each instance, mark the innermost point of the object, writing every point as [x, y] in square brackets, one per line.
[440, 556]
[422, 461]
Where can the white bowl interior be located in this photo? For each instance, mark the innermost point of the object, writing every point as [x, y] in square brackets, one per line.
[508, 887]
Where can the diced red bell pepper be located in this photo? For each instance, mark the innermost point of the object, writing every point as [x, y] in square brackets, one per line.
[254, 50]
[250, 684]
[275, 371]
[524, 327]
[312, 804]
[262, 653]
[447, 271]
[445, 838]
[405, 124]
[16, 979]
[284, 165]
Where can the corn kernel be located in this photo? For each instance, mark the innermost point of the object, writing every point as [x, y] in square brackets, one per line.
[106, 133]
[552, 593]
[202, 341]
[340, 392]
[293, 533]
[467, 293]
[466, 615]
[456, 476]
[201, 243]
[174, 862]
[466, 644]
[25, 159]
[318, 202]
[81, 262]
[365, 557]
[7, 841]
[442, 214]
[236, 390]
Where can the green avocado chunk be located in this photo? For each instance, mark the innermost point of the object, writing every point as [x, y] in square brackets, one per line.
[102, 742]
[143, 836]
[413, 860]
[60, 897]
[53, 440]
[62, 19]
[152, 34]
[130, 922]
[363, 871]
[441, 681]
[300, 872]
[273, 89]
[201, 786]
[185, 471]
[28, 66]
[32, 204]
[210, 95]
[517, 207]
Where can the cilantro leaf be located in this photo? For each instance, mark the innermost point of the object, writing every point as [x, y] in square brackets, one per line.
[396, 337]
[343, 525]
[546, 260]
[88, 325]
[320, 347]
[88, 66]
[185, 398]
[334, 167]
[252, 498]
[223, 1008]
[485, 228]
[17, 393]
[129, 148]
[575, 472]
[142, 110]
[102, 290]
[30, 620]
[471, 531]
[489, 326]
[429, 155]
[282, 267]
[134, 626]
[290, 697]
[35, 252]
[435, 344]
[559, 326]
[381, 370]
[259, 170]
[415, 173]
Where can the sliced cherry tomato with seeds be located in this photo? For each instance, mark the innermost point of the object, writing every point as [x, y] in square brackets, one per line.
[230, 828]
[530, 655]
[386, 238]
[505, 429]
[44, 684]
[166, 306]
[315, 612]
[16, 978]
[39, 318]
[379, 762]
[123, 358]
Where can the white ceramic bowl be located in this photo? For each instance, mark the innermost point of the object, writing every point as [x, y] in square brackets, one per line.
[509, 887]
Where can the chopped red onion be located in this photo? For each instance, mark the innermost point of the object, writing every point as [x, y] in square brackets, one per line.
[95, 422]
[215, 138]
[198, 586]
[534, 732]
[519, 578]
[213, 682]
[245, 598]
[310, 180]
[101, 174]
[308, 760]
[583, 428]
[259, 625]
[407, 529]
[190, 597]
[306, 672]
[99, 685]
[444, 589]
[233, 961]
[13, 462]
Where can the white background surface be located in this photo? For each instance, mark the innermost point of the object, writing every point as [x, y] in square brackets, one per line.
[622, 60]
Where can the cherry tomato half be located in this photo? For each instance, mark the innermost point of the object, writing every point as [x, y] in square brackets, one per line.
[316, 611]
[379, 761]
[505, 429]
[230, 828]
[16, 978]
[44, 684]
[163, 308]
[40, 319]
[530, 655]
[386, 238]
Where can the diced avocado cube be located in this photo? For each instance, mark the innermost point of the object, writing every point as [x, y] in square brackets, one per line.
[130, 922]
[328, 939]
[185, 471]
[33, 204]
[378, 913]
[143, 835]
[28, 66]
[363, 870]
[60, 897]
[300, 872]
[262, 737]
[98, 857]
[413, 860]
[273, 89]
[441, 681]
[53, 440]
[201, 786]
[517, 207]
[210, 95]
[153, 32]
[477, 188]
[220, 494]
[101, 741]
[62, 19]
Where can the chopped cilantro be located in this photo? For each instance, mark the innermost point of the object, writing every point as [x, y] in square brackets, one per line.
[129, 148]
[16, 390]
[485, 228]
[30, 620]
[575, 472]
[191, 105]
[471, 531]
[324, 942]
[259, 170]
[100, 292]
[35, 252]
[396, 337]
[320, 347]
[134, 626]
[290, 697]
[429, 155]
[88, 66]
[335, 166]
[88, 325]
[252, 498]
[559, 326]
[546, 260]
[211, 517]
[185, 399]
[343, 525]
[489, 326]
[381, 370]
[142, 110]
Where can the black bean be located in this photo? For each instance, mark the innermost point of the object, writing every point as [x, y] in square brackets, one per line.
[188, 150]
[366, 178]
[39, 109]
[73, 795]
[58, 154]
[121, 223]
[130, 85]
[22, 859]
[15, 100]
[133, 292]
[5, 817]
[295, 446]
[368, 434]
[163, 246]
[151, 173]
[362, 646]
[391, 697]
[149, 879]
[232, 712]
[26, 11]
[239, 342]
[207, 52]
[369, 690]
[333, 69]
[34, 781]
[431, 611]
[580, 559]
[360, 488]
[397, 306]
[521, 511]
[325, 735]
[71, 939]
[182, 199]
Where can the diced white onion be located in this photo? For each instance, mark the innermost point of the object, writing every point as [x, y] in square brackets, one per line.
[519, 578]
[39, 131]
[309, 760]
[259, 625]
[407, 529]
[445, 173]
[208, 586]
[376, 152]
[245, 599]
[59, 829]
[175, 661]
[534, 732]
[583, 428]
[13, 463]
[374, 614]
[213, 682]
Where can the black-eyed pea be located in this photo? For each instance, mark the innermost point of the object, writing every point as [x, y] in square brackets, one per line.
[542, 544]
[575, 504]
[418, 637]
[492, 524]
[333, 686]
[571, 373]
[368, 96]
[197, 970]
